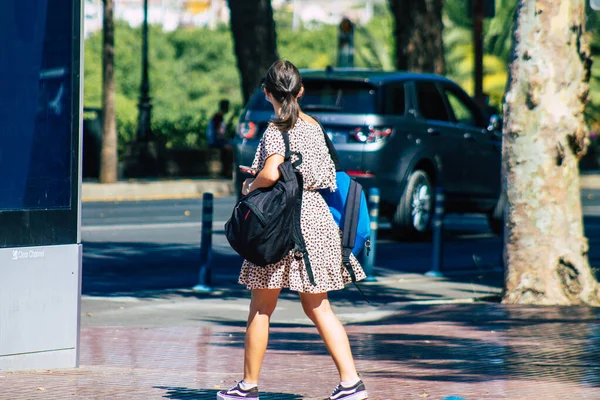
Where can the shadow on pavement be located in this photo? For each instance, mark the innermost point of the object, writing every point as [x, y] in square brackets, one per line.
[143, 270]
[464, 343]
[206, 394]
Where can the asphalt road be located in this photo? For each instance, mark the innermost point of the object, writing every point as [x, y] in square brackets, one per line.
[136, 246]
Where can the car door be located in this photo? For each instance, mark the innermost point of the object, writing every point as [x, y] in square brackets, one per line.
[480, 147]
[445, 141]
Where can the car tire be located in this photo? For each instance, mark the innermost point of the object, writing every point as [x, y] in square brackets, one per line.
[496, 216]
[412, 219]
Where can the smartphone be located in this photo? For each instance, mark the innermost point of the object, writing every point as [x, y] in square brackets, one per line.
[247, 170]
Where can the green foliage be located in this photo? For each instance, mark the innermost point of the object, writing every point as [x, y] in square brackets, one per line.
[189, 72]
[192, 69]
[316, 46]
[458, 43]
[497, 40]
[592, 110]
[374, 42]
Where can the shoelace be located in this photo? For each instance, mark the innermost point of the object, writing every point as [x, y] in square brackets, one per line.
[338, 387]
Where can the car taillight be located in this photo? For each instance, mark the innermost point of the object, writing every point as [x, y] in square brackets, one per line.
[360, 174]
[371, 134]
[247, 130]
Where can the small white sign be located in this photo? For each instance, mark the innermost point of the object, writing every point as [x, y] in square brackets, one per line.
[595, 4]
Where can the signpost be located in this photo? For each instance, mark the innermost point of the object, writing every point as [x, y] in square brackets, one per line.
[346, 44]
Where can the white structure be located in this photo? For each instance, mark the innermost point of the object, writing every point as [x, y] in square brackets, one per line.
[172, 14]
[314, 12]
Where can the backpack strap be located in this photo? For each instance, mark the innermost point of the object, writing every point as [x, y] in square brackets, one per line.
[286, 141]
[300, 252]
[351, 212]
[332, 152]
[288, 152]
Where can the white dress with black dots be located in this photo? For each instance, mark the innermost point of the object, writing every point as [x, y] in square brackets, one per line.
[321, 234]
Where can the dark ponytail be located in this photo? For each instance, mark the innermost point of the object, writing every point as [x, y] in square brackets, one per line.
[284, 83]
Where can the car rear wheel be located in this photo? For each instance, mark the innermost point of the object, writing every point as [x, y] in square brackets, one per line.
[412, 219]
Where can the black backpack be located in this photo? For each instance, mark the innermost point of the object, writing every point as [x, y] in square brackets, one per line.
[265, 224]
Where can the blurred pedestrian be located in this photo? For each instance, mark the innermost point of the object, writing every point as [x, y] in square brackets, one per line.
[216, 136]
[283, 87]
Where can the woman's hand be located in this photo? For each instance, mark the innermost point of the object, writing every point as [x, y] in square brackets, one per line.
[246, 186]
[267, 176]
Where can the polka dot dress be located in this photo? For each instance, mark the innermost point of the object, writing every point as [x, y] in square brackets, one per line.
[321, 234]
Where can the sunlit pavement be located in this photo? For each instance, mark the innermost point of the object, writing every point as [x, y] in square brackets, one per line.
[477, 351]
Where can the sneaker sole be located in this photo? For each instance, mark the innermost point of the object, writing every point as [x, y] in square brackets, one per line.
[228, 397]
[362, 395]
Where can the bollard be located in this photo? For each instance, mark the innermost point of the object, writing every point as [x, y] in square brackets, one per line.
[437, 226]
[374, 215]
[205, 245]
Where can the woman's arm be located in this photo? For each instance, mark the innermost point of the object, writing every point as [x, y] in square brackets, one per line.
[268, 175]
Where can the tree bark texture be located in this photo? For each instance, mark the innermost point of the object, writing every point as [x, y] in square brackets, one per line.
[418, 33]
[544, 137]
[108, 156]
[255, 39]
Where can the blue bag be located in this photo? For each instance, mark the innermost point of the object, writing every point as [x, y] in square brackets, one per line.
[348, 204]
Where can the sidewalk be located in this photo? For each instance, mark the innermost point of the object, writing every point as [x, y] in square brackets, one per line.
[435, 339]
[157, 189]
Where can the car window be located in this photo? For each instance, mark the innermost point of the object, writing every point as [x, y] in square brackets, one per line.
[430, 101]
[395, 100]
[463, 113]
[349, 97]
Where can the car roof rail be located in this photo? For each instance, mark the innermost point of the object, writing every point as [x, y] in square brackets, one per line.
[330, 69]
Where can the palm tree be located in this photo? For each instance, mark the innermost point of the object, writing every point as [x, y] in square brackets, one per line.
[458, 44]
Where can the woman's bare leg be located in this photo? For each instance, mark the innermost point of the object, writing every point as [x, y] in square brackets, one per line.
[317, 308]
[262, 305]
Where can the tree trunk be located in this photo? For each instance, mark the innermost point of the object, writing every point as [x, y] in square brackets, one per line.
[255, 39]
[544, 137]
[108, 156]
[418, 32]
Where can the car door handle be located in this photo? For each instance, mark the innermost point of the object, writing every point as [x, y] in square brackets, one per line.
[469, 137]
[433, 132]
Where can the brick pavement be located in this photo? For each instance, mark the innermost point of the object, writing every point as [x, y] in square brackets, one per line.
[479, 351]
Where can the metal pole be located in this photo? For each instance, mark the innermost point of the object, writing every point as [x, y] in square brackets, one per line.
[206, 245]
[371, 250]
[438, 225]
[144, 105]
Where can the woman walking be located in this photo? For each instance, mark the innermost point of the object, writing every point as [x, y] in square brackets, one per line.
[283, 87]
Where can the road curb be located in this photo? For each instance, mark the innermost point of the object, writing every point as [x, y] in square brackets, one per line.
[155, 190]
[590, 182]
